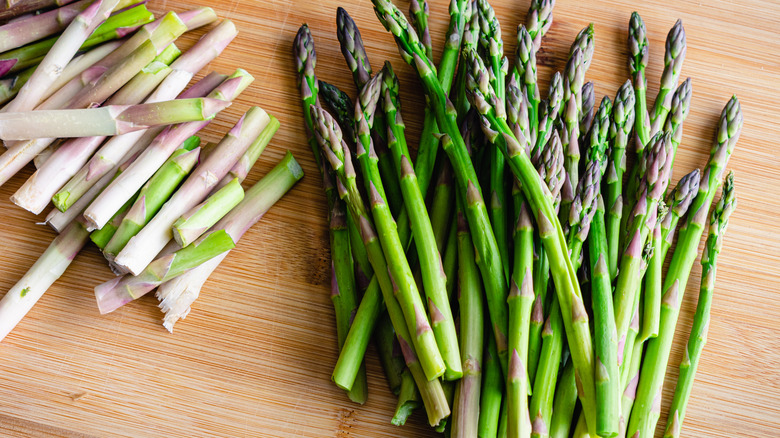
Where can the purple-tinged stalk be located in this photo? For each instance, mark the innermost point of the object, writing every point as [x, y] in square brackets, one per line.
[145, 245]
[192, 224]
[34, 27]
[247, 161]
[11, 9]
[130, 181]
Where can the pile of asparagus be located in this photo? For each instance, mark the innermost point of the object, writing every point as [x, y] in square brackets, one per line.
[112, 129]
[531, 187]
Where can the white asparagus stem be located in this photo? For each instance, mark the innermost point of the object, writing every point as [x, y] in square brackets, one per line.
[49, 267]
[145, 245]
[79, 64]
[198, 17]
[36, 27]
[127, 184]
[176, 296]
[147, 80]
[60, 54]
[114, 150]
[107, 120]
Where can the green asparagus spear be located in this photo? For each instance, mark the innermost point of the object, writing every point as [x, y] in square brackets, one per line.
[676, 46]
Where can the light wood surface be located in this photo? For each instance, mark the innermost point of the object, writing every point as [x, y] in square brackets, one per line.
[255, 355]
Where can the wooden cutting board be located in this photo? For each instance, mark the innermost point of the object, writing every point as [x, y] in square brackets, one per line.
[255, 355]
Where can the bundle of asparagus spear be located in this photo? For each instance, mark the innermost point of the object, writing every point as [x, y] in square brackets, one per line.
[128, 171]
[563, 319]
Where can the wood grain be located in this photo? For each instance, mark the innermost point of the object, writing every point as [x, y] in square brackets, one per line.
[255, 355]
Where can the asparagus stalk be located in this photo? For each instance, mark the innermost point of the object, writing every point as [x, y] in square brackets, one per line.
[719, 220]
[107, 120]
[548, 112]
[10, 86]
[574, 76]
[80, 64]
[520, 301]
[632, 380]
[525, 66]
[441, 209]
[492, 390]
[119, 291]
[146, 80]
[433, 278]
[644, 416]
[34, 27]
[153, 194]
[541, 406]
[352, 48]
[203, 216]
[198, 17]
[676, 46]
[517, 107]
[408, 399]
[387, 347]
[177, 295]
[465, 412]
[145, 245]
[565, 402]
[418, 13]
[584, 42]
[561, 267]
[620, 131]
[102, 236]
[16, 8]
[653, 281]
[60, 54]
[247, 161]
[46, 270]
[115, 27]
[608, 386]
[330, 138]
[639, 47]
[341, 106]
[182, 71]
[104, 206]
[470, 39]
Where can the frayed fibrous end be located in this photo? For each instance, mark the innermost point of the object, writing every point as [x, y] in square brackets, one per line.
[176, 296]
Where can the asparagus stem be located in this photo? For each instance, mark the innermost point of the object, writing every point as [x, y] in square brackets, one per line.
[146, 80]
[408, 399]
[28, 29]
[676, 46]
[492, 388]
[176, 296]
[79, 64]
[620, 131]
[247, 161]
[10, 86]
[574, 76]
[98, 213]
[644, 416]
[640, 55]
[46, 270]
[653, 281]
[329, 136]
[678, 201]
[466, 410]
[203, 216]
[145, 245]
[15, 8]
[470, 39]
[451, 259]
[442, 203]
[719, 219]
[520, 301]
[525, 66]
[629, 394]
[60, 54]
[102, 236]
[342, 107]
[418, 13]
[575, 316]
[433, 278]
[541, 406]
[153, 195]
[115, 27]
[564, 403]
[608, 386]
[386, 344]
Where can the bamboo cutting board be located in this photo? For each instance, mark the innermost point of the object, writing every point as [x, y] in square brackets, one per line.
[255, 355]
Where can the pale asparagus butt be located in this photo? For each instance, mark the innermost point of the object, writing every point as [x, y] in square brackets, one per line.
[60, 54]
[46, 270]
[119, 291]
[176, 296]
[107, 120]
[191, 225]
[153, 195]
[130, 181]
[145, 245]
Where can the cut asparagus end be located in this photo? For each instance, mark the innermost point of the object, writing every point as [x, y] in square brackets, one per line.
[203, 216]
[199, 17]
[117, 292]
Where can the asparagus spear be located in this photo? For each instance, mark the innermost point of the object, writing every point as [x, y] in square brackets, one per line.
[145, 245]
[562, 269]
[153, 195]
[247, 161]
[681, 102]
[608, 386]
[517, 110]
[388, 350]
[46, 270]
[465, 412]
[408, 399]
[548, 112]
[574, 76]
[200, 218]
[177, 295]
[433, 277]
[115, 27]
[719, 220]
[119, 291]
[493, 47]
[107, 120]
[676, 46]
[102, 236]
[620, 130]
[678, 201]
[539, 20]
[182, 71]
[155, 155]
[653, 280]
[525, 66]
[79, 64]
[639, 47]
[146, 81]
[330, 138]
[60, 54]
[10, 86]
[565, 402]
[470, 40]
[34, 27]
[546, 378]
[341, 106]
[492, 388]
[16, 8]
[644, 416]
[418, 13]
